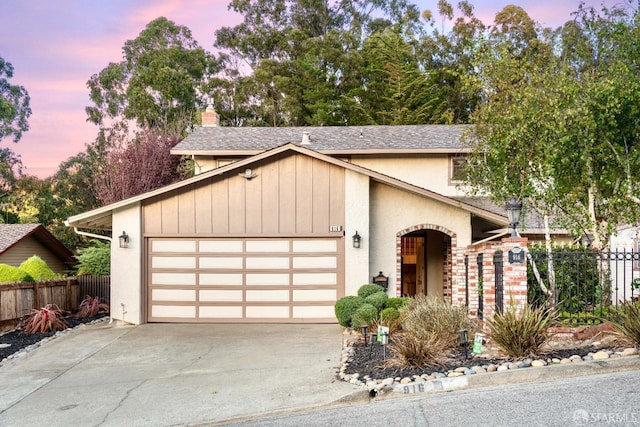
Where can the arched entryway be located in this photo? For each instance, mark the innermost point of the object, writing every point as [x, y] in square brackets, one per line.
[424, 261]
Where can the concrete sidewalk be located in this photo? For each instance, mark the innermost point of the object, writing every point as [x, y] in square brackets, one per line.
[172, 374]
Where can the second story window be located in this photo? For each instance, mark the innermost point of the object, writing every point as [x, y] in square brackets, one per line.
[456, 167]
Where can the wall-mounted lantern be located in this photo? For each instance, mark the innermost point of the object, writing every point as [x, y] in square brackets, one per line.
[356, 240]
[513, 213]
[124, 240]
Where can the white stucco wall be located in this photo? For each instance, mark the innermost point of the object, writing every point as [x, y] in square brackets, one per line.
[393, 210]
[430, 172]
[126, 266]
[356, 219]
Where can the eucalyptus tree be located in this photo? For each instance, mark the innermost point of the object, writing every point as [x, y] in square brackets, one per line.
[301, 57]
[14, 105]
[159, 79]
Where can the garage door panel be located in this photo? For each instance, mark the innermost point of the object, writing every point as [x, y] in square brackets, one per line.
[244, 279]
[173, 294]
[268, 295]
[220, 312]
[171, 279]
[267, 263]
[268, 312]
[220, 263]
[281, 279]
[315, 295]
[220, 295]
[315, 279]
[227, 279]
[173, 262]
[177, 311]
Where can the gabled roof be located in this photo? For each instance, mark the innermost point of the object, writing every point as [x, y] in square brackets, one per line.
[332, 140]
[101, 218]
[12, 234]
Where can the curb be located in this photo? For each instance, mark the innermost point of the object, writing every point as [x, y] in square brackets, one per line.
[514, 376]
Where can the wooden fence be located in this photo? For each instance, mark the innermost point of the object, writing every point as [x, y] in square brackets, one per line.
[17, 299]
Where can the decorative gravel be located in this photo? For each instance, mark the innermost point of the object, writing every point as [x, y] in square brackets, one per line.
[16, 341]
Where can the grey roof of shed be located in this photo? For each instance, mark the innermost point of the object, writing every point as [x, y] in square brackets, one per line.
[215, 140]
[11, 234]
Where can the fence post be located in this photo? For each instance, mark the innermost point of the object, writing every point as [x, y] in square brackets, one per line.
[36, 295]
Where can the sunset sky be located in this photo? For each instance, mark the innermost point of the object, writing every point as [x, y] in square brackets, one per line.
[55, 46]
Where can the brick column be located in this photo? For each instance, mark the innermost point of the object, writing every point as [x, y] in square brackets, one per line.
[515, 275]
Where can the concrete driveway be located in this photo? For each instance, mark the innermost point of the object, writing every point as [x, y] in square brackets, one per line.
[172, 374]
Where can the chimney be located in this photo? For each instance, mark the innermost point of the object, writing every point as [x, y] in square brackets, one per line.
[210, 117]
[306, 138]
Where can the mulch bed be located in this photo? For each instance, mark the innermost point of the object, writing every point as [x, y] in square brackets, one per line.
[370, 360]
[20, 340]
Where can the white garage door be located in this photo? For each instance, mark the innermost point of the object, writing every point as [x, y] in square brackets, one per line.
[244, 280]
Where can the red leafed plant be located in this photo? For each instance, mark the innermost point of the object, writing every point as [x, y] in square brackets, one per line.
[48, 318]
[92, 306]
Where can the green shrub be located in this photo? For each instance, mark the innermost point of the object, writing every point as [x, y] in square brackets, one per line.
[370, 289]
[9, 273]
[627, 321]
[37, 268]
[425, 316]
[389, 315]
[346, 307]
[397, 302]
[377, 300]
[366, 314]
[521, 334]
[96, 259]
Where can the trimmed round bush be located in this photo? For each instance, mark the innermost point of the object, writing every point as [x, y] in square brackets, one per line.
[37, 268]
[370, 289]
[397, 302]
[9, 273]
[346, 307]
[366, 314]
[389, 315]
[377, 300]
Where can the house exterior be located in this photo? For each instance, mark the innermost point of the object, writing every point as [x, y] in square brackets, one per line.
[264, 232]
[18, 242]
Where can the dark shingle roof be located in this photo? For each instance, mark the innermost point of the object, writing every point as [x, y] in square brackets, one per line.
[328, 139]
[10, 234]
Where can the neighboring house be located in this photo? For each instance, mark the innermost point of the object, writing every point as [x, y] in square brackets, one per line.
[624, 263]
[265, 230]
[18, 242]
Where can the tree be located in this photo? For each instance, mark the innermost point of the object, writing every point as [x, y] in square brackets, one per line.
[560, 122]
[159, 79]
[14, 105]
[303, 57]
[137, 164]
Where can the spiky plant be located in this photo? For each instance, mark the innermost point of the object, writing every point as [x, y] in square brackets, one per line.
[409, 350]
[522, 334]
[45, 319]
[91, 307]
[627, 321]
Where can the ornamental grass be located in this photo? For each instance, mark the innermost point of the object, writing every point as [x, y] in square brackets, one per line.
[46, 319]
[627, 321]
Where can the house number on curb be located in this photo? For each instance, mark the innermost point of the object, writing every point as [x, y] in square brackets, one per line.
[516, 255]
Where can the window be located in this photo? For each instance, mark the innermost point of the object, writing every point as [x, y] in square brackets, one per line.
[456, 166]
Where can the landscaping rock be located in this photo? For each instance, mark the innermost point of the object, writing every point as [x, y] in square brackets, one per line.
[601, 355]
[538, 363]
[405, 380]
[479, 370]
[629, 352]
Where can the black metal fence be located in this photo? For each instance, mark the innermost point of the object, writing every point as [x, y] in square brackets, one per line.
[588, 284]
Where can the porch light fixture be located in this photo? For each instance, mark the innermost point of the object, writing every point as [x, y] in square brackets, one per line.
[513, 213]
[356, 240]
[124, 240]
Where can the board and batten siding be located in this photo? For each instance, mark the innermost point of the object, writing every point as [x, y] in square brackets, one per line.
[290, 195]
